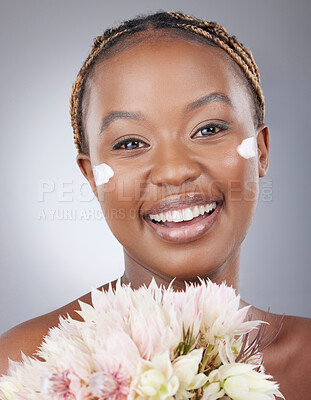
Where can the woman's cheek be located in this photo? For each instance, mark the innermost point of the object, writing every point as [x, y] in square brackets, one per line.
[118, 198]
[241, 176]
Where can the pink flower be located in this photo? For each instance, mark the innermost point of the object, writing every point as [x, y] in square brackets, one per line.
[113, 386]
[57, 385]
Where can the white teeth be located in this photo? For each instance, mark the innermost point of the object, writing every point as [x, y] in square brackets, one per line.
[175, 216]
[169, 215]
[185, 214]
[209, 207]
[196, 211]
[188, 214]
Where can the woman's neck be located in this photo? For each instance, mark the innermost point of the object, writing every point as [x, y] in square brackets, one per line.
[138, 274]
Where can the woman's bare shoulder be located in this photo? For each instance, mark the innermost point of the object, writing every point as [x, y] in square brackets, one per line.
[297, 332]
[288, 358]
[292, 338]
[27, 336]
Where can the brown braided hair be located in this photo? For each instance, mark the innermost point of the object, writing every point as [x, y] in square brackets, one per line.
[210, 32]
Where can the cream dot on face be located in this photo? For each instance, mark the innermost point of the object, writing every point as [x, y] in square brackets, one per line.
[247, 149]
[102, 173]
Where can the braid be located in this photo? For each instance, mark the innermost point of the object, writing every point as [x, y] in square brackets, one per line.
[77, 89]
[211, 31]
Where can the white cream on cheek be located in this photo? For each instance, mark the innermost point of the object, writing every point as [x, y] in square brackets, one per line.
[102, 173]
[247, 149]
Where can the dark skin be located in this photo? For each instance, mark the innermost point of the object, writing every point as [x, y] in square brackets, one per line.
[172, 157]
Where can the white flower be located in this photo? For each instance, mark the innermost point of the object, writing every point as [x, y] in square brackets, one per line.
[116, 363]
[23, 379]
[240, 382]
[221, 314]
[161, 329]
[118, 349]
[8, 390]
[186, 368]
[67, 348]
[213, 392]
[186, 305]
[156, 380]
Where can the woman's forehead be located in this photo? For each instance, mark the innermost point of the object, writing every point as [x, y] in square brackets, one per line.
[165, 72]
[162, 61]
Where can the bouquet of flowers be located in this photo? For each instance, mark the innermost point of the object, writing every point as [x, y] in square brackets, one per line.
[150, 343]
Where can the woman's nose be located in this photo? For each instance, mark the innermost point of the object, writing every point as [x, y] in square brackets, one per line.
[174, 167]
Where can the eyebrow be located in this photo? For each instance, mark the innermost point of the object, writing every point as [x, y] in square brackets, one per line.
[115, 115]
[209, 98]
[138, 116]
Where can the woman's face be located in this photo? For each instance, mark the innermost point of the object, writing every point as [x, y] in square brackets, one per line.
[179, 112]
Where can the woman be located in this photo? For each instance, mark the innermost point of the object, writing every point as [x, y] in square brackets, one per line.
[163, 104]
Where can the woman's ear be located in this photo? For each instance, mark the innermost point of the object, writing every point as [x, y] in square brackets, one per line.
[85, 165]
[263, 146]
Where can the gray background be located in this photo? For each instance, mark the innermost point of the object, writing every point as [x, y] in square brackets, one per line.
[47, 263]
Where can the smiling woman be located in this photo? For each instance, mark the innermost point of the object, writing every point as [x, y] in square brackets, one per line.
[165, 102]
[171, 125]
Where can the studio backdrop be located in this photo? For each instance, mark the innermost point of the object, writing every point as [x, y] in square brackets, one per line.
[55, 243]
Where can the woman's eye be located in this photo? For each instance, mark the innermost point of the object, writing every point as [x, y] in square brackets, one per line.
[129, 144]
[210, 130]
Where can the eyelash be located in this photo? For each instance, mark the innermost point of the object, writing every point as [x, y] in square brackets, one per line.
[222, 127]
[127, 140]
[212, 125]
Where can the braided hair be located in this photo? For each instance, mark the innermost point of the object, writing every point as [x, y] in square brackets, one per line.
[196, 29]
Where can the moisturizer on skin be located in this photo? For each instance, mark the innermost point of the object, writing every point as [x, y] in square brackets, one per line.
[248, 148]
[102, 173]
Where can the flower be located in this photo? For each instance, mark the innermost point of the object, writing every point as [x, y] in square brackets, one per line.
[156, 380]
[116, 363]
[114, 386]
[59, 385]
[222, 319]
[147, 344]
[186, 306]
[186, 368]
[8, 390]
[240, 382]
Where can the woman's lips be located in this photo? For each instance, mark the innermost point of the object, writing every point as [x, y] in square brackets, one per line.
[185, 231]
[181, 201]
